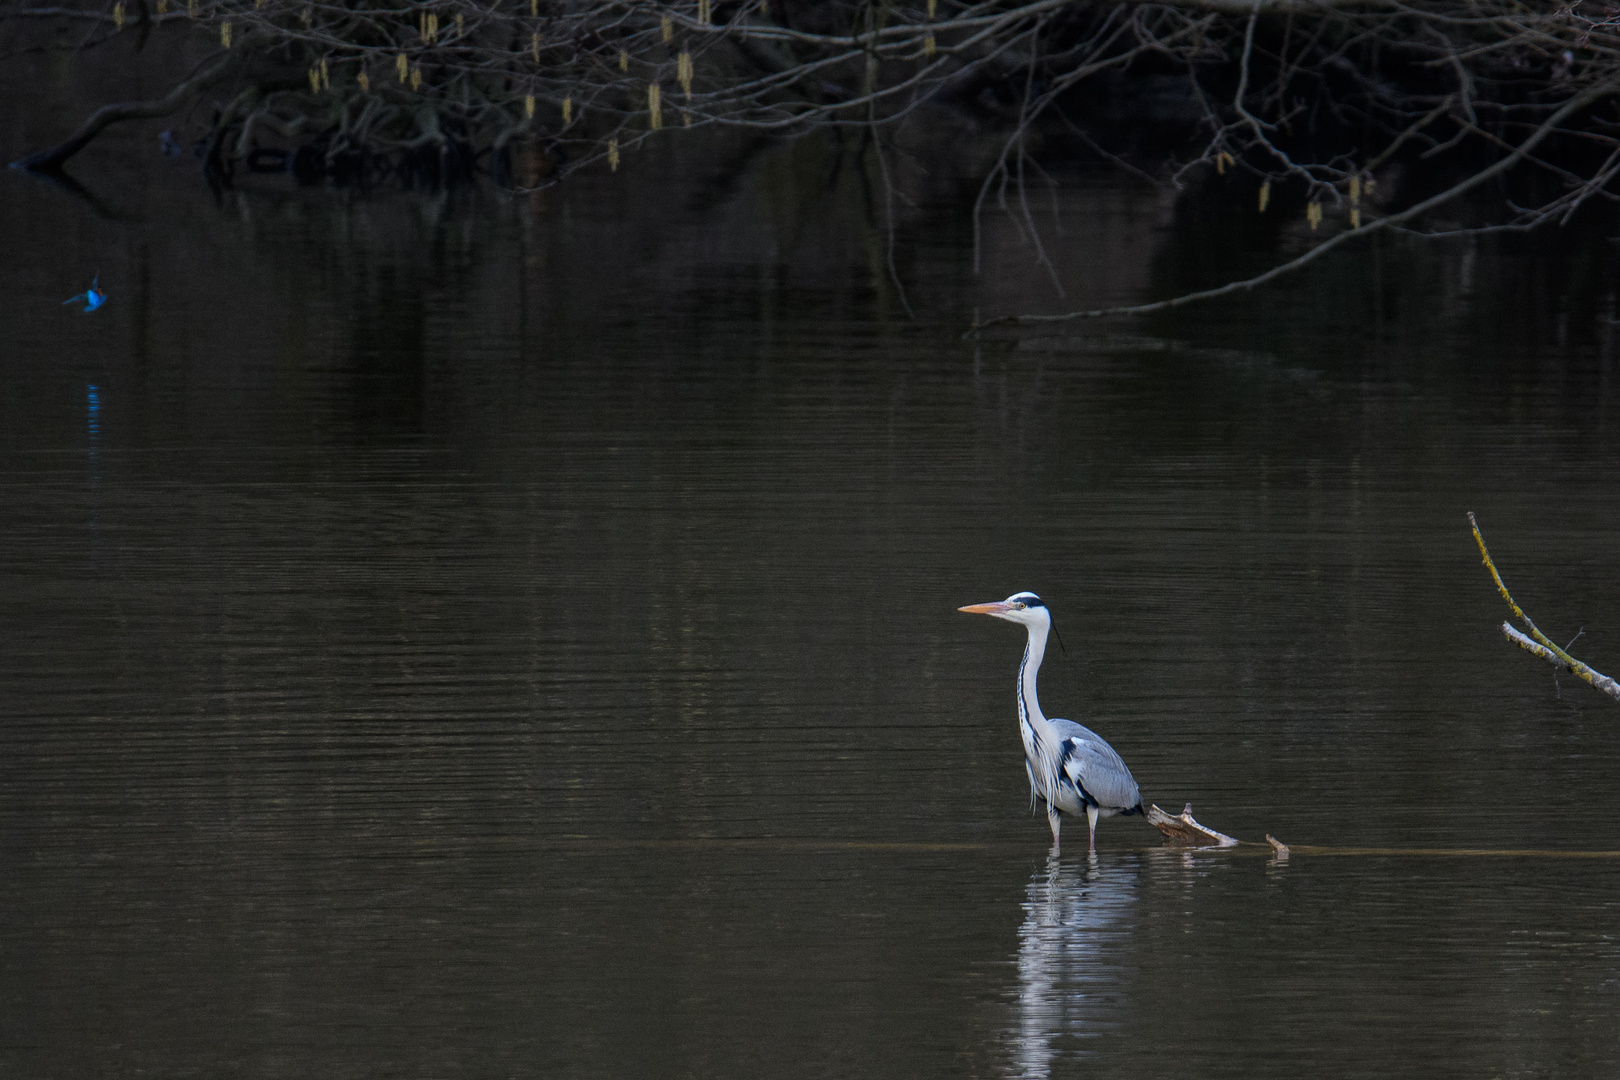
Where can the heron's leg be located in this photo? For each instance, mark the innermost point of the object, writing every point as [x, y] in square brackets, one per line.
[1091, 819]
[1053, 820]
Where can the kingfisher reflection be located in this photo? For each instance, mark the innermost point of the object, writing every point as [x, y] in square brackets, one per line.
[92, 416]
[1077, 921]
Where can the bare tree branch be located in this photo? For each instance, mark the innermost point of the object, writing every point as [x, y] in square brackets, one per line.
[211, 70]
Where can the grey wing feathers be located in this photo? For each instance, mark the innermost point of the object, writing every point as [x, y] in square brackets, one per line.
[1093, 766]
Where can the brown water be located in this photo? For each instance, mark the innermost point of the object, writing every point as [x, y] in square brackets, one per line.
[444, 637]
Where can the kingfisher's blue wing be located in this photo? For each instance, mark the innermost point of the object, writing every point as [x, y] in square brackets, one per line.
[92, 297]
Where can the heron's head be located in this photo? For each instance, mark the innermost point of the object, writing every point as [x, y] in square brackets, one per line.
[1023, 607]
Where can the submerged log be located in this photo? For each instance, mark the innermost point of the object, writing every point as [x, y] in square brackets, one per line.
[1184, 828]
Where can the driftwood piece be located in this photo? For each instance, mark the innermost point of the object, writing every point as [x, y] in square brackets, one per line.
[1185, 829]
[1536, 642]
[1278, 848]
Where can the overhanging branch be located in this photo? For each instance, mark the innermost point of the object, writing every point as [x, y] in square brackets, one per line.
[1583, 100]
[212, 69]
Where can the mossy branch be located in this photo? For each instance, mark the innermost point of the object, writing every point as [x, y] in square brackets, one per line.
[1536, 642]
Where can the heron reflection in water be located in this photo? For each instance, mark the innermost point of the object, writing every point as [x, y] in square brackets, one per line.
[1077, 921]
[1071, 768]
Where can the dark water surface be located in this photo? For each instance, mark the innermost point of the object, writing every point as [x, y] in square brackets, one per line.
[444, 637]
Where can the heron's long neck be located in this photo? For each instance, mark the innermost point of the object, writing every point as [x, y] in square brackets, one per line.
[1029, 704]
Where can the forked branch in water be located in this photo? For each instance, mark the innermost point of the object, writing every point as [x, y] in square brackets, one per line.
[1184, 828]
[1536, 642]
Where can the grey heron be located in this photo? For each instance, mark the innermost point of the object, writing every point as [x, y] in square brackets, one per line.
[1071, 768]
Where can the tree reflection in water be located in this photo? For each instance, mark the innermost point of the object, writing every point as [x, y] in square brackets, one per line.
[1077, 920]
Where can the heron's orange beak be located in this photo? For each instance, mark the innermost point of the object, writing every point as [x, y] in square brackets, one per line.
[987, 609]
